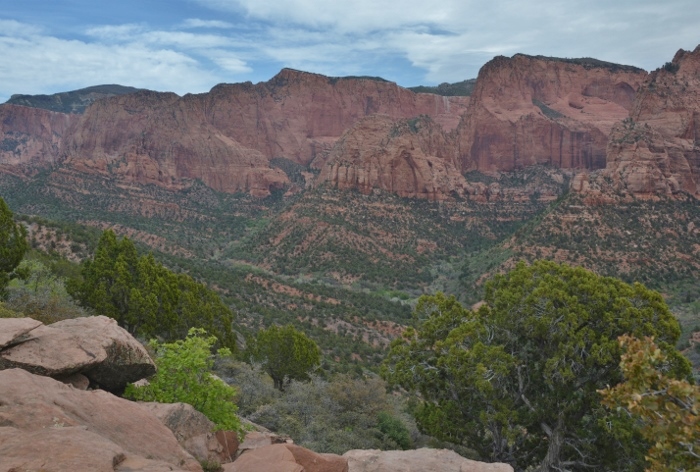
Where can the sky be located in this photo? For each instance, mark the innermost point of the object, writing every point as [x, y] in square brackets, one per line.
[188, 46]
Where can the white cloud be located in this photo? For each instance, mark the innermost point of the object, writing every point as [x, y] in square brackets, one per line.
[46, 64]
[16, 29]
[197, 23]
[451, 39]
[409, 41]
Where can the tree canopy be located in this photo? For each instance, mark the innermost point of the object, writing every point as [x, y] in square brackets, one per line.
[147, 298]
[517, 380]
[13, 245]
[285, 353]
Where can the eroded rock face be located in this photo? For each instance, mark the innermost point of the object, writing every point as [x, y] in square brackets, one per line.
[49, 426]
[533, 110]
[418, 460]
[656, 151]
[30, 138]
[93, 346]
[227, 137]
[412, 158]
[162, 139]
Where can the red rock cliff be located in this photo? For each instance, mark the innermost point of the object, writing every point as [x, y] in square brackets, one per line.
[657, 150]
[412, 158]
[227, 137]
[533, 110]
[162, 139]
[299, 115]
[30, 137]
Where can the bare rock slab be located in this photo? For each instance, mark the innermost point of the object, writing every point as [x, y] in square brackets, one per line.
[417, 460]
[287, 458]
[52, 425]
[13, 330]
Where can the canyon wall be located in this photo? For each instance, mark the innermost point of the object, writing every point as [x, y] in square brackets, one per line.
[656, 150]
[529, 110]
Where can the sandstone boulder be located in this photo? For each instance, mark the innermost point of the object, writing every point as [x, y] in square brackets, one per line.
[49, 426]
[15, 330]
[93, 346]
[417, 460]
[287, 458]
[195, 432]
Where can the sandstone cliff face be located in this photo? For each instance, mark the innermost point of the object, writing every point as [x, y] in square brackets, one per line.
[534, 110]
[162, 139]
[226, 138]
[412, 158]
[30, 137]
[299, 115]
[657, 150]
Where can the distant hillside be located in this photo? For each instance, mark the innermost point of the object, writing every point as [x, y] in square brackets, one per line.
[458, 89]
[75, 101]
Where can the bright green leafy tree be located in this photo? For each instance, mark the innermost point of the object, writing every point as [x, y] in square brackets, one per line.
[668, 409]
[145, 297]
[13, 245]
[184, 375]
[285, 354]
[518, 379]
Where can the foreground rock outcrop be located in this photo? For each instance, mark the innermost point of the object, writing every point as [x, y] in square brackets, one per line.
[656, 150]
[49, 426]
[195, 433]
[418, 460]
[287, 458]
[95, 347]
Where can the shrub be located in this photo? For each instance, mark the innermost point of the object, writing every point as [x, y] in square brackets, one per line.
[184, 375]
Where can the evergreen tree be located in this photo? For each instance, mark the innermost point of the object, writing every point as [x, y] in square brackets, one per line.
[147, 298]
[285, 353]
[518, 379]
[13, 245]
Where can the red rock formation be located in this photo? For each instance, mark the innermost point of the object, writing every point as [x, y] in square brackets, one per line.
[226, 138]
[657, 150]
[412, 158]
[53, 427]
[534, 110]
[162, 139]
[299, 115]
[30, 137]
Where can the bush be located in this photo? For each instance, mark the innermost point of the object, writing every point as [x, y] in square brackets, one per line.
[184, 375]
